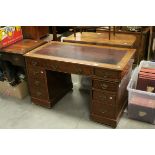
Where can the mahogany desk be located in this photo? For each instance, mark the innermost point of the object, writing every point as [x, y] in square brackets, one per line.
[141, 43]
[119, 40]
[50, 66]
[14, 53]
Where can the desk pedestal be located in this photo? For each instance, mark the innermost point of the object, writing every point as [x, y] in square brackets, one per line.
[50, 80]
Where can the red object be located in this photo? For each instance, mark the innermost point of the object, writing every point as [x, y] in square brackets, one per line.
[146, 79]
[10, 35]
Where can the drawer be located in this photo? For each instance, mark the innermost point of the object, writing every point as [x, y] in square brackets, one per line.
[107, 74]
[69, 67]
[36, 73]
[104, 97]
[103, 109]
[34, 62]
[76, 69]
[37, 83]
[104, 85]
[39, 93]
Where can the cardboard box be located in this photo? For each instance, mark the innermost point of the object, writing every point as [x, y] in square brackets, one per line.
[10, 35]
[20, 91]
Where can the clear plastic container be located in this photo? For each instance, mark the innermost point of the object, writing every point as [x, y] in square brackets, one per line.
[141, 104]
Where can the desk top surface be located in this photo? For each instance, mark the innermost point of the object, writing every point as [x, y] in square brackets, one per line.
[124, 40]
[101, 56]
[23, 46]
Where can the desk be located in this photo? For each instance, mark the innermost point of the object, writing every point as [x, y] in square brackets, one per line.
[119, 40]
[49, 70]
[14, 53]
[141, 43]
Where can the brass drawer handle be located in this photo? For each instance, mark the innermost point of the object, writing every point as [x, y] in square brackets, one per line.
[103, 97]
[16, 59]
[38, 93]
[80, 71]
[38, 72]
[105, 76]
[54, 67]
[104, 86]
[103, 112]
[37, 83]
[34, 63]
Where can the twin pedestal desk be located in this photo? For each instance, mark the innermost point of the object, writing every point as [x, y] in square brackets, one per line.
[49, 69]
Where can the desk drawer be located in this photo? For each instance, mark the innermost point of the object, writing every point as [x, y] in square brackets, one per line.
[34, 62]
[36, 73]
[107, 74]
[67, 67]
[37, 84]
[104, 85]
[104, 97]
[76, 69]
[103, 109]
[39, 93]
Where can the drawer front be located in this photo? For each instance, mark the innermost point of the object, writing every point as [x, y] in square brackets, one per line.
[69, 68]
[103, 110]
[34, 62]
[36, 73]
[60, 66]
[39, 93]
[104, 85]
[104, 97]
[76, 69]
[37, 84]
[107, 74]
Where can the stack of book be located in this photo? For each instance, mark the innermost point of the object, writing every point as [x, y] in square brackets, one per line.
[146, 80]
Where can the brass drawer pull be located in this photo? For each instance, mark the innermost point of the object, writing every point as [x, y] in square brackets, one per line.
[38, 72]
[38, 93]
[103, 97]
[16, 59]
[37, 83]
[54, 67]
[34, 63]
[104, 86]
[105, 76]
[103, 112]
[80, 71]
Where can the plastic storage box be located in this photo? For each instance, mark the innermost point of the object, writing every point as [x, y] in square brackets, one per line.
[141, 104]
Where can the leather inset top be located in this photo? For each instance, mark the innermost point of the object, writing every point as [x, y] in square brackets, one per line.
[94, 54]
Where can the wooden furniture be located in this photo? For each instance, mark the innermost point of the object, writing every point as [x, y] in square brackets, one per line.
[14, 53]
[35, 32]
[120, 40]
[50, 66]
[141, 43]
[84, 28]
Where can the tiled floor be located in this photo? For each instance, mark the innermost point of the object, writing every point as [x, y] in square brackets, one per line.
[70, 112]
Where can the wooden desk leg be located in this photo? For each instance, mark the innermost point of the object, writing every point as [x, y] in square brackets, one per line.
[109, 31]
[74, 29]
